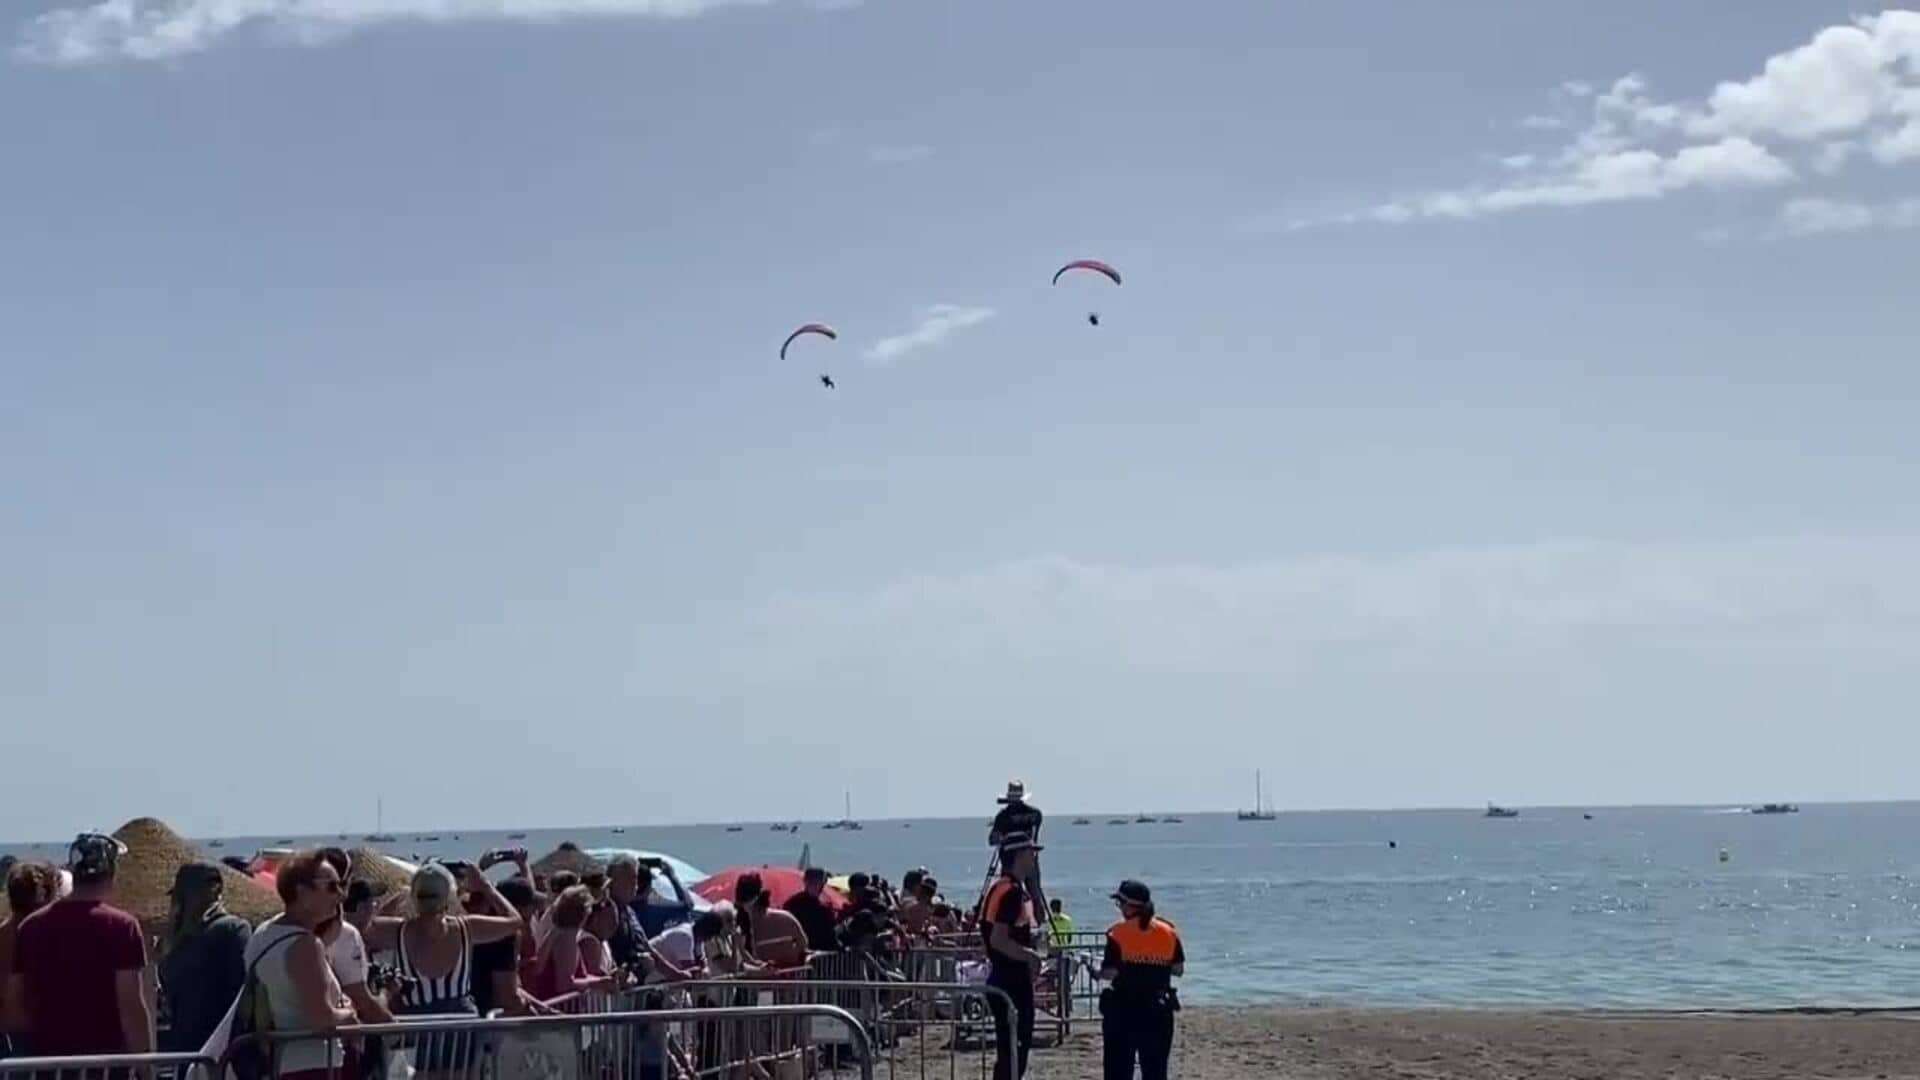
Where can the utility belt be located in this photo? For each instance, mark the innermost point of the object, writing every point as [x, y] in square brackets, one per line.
[1119, 1001]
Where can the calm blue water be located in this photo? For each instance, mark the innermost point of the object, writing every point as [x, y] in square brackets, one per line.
[1633, 908]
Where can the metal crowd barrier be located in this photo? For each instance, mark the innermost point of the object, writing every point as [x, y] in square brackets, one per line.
[1064, 987]
[111, 1067]
[915, 1029]
[665, 1044]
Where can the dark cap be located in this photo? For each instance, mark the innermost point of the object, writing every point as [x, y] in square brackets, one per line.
[94, 856]
[815, 873]
[1015, 842]
[194, 876]
[1133, 892]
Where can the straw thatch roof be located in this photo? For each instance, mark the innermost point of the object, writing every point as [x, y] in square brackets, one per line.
[154, 854]
[378, 871]
[568, 856]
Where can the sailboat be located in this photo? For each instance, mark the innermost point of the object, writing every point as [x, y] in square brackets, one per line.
[847, 822]
[379, 835]
[1261, 811]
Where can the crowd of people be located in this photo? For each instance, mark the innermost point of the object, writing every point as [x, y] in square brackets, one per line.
[78, 978]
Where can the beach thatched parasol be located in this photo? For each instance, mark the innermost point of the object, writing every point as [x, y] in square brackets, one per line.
[568, 856]
[154, 854]
[379, 871]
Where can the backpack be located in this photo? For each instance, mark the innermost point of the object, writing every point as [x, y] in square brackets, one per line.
[252, 1015]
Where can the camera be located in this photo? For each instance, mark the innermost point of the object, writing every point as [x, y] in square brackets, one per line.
[381, 977]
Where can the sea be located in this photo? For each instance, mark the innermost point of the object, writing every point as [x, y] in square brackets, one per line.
[1652, 907]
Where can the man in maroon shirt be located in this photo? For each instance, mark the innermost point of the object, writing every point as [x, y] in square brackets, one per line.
[77, 965]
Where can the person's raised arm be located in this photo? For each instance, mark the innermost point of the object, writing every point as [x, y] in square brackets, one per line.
[486, 929]
[383, 933]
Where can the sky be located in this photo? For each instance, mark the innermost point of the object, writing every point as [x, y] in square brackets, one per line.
[1502, 402]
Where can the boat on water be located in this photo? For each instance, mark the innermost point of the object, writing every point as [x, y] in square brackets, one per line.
[380, 835]
[846, 822]
[1081, 821]
[516, 836]
[619, 830]
[1501, 812]
[736, 828]
[1775, 808]
[781, 826]
[1118, 821]
[1261, 811]
[1145, 819]
[1173, 821]
[216, 843]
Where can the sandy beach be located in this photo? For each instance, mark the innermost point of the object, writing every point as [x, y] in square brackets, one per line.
[1337, 1044]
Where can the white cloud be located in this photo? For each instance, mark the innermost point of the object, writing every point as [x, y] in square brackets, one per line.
[1810, 217]
[1617, 176]
[1811, 109]
[899, 155]
[1543, 122]
[1803, 217]
[937, 324]
[160, 29]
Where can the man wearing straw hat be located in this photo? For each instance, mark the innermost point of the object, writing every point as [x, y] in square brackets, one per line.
[1016, 815]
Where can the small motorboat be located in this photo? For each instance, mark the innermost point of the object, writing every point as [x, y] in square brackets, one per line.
[1081, 821]
[1501, 812]
[1118, 821]
[516, 836]
[1145, 819]
[1775, 808]
[736, 828]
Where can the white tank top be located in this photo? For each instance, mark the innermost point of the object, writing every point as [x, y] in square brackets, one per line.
[283, 998]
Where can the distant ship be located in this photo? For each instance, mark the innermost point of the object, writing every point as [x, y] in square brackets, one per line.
[379, 835]
[1173, 821]
[1081, 821]
[516, 836]
[1118, 821]
[1261, 811]
[847, 822]
[216, 843]
[783, 827]
[1143, 819]
[736, 828]
[1775, 808]
[1501, 812]
[619, 830]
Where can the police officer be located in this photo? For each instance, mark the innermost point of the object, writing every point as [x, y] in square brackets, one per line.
[1007, 923]
[1144, 956]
